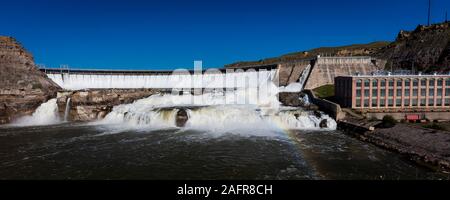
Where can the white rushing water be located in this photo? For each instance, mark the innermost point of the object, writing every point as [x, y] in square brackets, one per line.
[298, 86]
[255, 107]
[252, 103]
[66, 112]
[213, 113]
[45, 114]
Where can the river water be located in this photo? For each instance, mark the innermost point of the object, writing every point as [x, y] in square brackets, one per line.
[93, 151]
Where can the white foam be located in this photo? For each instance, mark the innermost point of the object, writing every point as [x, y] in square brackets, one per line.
[45, 114]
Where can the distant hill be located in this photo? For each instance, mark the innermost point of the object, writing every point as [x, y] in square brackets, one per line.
[350, 50]
[425, 49]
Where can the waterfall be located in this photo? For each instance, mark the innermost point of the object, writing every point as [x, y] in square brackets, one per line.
[66, 112]
[45, 114]
[298, 86]
[304, 77]
[214, 113]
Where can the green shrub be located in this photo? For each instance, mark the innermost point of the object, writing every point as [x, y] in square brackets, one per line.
[388, 122]
[434, 126]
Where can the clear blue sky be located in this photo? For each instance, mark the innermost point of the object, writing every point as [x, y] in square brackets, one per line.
[170, 34]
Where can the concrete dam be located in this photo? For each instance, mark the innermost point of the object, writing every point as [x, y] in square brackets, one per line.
[309, 73]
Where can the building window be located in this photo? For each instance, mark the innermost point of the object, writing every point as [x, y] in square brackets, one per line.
[391, 92]
[358, 83]
[431, 92]
[423, 102]
[399, 92]
[431, 102]
[374, 103]
[366, 102]
[398, 102]
[423, 92]
[447, 91]
[423, 82]
[407, 92]
[374, 92]
[391, 83]
[439, 102]
[382, 102]
[407, 83]
[447, 102]
[415, 83]
[374, 83]
[406, 102]
[439, 82]
[399, 83]
[415, 92]
[358, 93]
[447, 82]
[366, 83]
[414, 102]
[383, 83]
[383, 93]
[439, 92]
[366, 92]
[358, 103]
[431, 82]
[390, 102]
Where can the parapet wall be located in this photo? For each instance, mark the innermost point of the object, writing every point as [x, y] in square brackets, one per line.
[331, 108]
[326, 69]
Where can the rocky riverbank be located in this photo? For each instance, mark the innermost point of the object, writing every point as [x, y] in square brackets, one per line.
[90, 105]
[425, 146]
[22, 86]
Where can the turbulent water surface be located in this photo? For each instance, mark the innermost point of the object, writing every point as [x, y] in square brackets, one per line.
[87, 151]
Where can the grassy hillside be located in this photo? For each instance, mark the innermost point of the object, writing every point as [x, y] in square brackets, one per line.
[349, 50]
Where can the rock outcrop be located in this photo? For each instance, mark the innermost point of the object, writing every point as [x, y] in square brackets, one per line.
[426, 49]
[22, 86]
[90, 105]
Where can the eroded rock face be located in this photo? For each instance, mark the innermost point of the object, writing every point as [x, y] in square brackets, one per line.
[427, 49]
[181, 118]
[22, 86]
[90, 105]
[294, 99]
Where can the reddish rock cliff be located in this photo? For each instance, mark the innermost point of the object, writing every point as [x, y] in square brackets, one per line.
[22, 86]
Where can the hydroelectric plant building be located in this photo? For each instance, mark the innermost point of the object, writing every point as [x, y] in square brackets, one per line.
[395, 94]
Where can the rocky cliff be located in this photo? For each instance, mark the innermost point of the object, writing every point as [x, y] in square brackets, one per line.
[426, 49]
[90, 105]
[22, 86]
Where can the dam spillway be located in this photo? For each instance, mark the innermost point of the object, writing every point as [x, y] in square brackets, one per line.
[312, 73]
[211, 78]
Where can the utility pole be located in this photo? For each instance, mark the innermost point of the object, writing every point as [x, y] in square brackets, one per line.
[429, 11]
[446, 17]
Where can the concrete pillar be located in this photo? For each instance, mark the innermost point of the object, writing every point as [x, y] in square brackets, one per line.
[386, 89]
[394, 100]
[403, 93]
[370, 93]
[427, 93]
[379, 93]
[443, 91]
